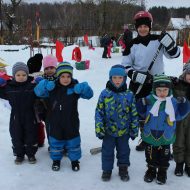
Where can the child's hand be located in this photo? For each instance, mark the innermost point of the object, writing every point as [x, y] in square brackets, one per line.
[50, 85]
[38, 79]
[2, 82]
[80, 87]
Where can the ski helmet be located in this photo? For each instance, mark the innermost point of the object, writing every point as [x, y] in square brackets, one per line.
[143, 17]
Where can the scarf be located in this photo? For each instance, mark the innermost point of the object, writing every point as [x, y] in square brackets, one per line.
[169, 109]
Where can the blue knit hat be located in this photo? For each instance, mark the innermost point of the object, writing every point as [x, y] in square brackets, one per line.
[117, 70]
[64, 67]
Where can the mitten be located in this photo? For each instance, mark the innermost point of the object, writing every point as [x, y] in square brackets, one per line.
[80, 87]
[2, 82]
[50, 85]
[181, 99]
[139, 77]
[167, 41]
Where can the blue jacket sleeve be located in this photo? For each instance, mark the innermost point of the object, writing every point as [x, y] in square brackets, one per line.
[99, 117]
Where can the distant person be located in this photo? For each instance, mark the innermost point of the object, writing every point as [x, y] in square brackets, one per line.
[160, 111]
[116, 121]
[105, 40]
[140, 53]
[127, 37]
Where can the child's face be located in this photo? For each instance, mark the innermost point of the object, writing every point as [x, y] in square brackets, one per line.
[117, 80]
[65, 79]
[143, 30]
[21, 76]
[187, 78]
[50, 71]
[162, 92]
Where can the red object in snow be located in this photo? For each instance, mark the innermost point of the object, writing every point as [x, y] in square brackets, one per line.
[186, 53]
[59, 48]
[76, 54]
[86, 39]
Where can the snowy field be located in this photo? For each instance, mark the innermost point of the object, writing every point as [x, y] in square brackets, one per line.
[40, 176]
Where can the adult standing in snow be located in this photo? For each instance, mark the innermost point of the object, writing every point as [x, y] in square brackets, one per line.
[140, 53]
[105, 41]
[127, 37]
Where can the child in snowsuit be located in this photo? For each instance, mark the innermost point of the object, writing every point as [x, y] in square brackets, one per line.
[34, 65]
[23, 125]
[181, 147]
[161, 111]
[63, 96]
[116, 120]
[139, 54]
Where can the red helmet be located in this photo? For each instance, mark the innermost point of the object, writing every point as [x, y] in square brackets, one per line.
[143, 14]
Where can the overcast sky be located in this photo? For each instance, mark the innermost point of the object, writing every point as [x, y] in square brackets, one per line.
[149, 3]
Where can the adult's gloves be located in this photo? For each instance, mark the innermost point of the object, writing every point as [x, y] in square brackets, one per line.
[167, 41]
[139, 77]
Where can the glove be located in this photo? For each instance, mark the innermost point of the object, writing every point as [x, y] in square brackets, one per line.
[50, 85]
[80, 87]
[101, 137]
[181, 99]
[38, 79]
[167, 41]
[139, 77]
[2, 82]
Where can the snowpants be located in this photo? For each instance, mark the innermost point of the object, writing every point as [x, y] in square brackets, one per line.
[157, 156]
[24, 138]
[123, 151]
[72, 146]
[104, 55]
[181, 147]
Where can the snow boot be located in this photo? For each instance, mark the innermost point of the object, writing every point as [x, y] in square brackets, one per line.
[161, 176]
[19, 160]
[123, 173]
[106, 175]
[150, 174]
[56, 165]
[141, 146]
[179, 169]
[187, 170]
[32, 160]
[75, 165]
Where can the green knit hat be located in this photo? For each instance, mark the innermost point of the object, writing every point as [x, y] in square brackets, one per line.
[161, 81]
[64, 67]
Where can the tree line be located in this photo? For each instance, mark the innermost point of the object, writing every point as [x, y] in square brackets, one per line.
[76, 19]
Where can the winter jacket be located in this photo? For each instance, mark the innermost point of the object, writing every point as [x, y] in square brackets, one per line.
[160, 130]
[63, 104]
[116, 113]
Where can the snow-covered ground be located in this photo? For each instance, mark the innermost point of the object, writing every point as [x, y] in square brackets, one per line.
[40, 176]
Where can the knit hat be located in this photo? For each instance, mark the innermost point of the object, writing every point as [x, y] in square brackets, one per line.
[117, 70]
[145, 21]
[64, 67]
[19, 66]
[35, 63]
[161, 81]
[49, 61]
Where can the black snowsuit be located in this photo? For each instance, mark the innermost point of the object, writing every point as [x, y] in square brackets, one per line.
[23, 124]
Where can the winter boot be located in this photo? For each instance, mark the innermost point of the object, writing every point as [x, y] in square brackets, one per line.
[161, 176]
[141, 146]
[32, 160]
[179, 169]
[123, 173]
[56, 165]
[106, 175]
[19, 160]
[187, 170]
[150, 174]
[75, 165]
